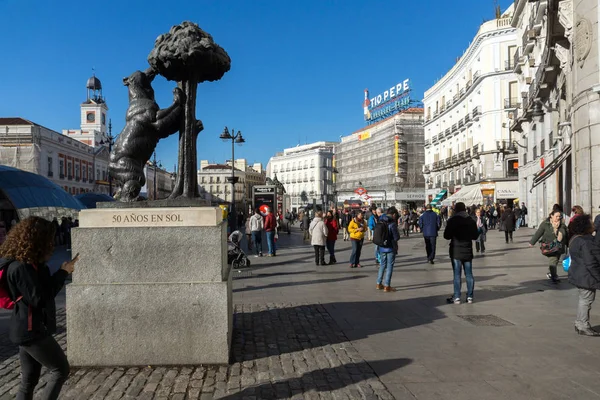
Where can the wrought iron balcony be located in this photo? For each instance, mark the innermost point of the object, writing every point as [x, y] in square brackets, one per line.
[447, 132]
[476, 112]
[511, 103]
[461, 123]
[454, 127]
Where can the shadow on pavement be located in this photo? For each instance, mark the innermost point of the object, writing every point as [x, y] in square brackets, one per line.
[324, 380]
[296, 283]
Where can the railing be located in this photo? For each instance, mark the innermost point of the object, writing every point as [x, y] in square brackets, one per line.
[469, 83]
[477, 111]
[454, 159]
[70, 177]
[511, 102]
[467, 118]
[447, 132]
[509, 65]
[312, 179]
[468, 153]
[455, 97]
[461, 123]
[454, 127]
[475, 149]
[476, 75]
[440, 136]
[461, 155]
[50, 174]
[61, 176]
[462, 92]
[434, 139]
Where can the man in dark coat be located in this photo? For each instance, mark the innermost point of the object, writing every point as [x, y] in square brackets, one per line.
[430, 224]
[461, 230]
[509, 221]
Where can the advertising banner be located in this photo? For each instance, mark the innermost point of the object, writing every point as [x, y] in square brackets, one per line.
[263, 197]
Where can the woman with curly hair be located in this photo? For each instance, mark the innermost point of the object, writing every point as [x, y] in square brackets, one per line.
[28, 246]
[584, 271]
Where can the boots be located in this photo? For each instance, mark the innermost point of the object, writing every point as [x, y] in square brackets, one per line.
[332, 260]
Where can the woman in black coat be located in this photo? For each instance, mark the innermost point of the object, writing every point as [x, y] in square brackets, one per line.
[584, 271]
[509, 221]
[32, 288]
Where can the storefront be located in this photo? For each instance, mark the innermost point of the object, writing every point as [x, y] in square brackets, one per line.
[507, 192]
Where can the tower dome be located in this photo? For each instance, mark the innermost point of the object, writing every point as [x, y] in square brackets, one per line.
[94, 89]
[94, 83]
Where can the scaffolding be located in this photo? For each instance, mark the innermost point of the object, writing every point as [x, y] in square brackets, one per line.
[23, 157]
[386, 156]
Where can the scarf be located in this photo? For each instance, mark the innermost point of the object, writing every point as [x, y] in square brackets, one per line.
[479, 223]
[555, 226]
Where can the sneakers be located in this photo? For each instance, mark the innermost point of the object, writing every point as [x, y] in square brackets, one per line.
[358, 266]
[431, 262]
[469, 300]
[256, 256]
[456, 301]
[587, 331]
[553, 279]
[352, 266]
[389, 289]
[379, 286]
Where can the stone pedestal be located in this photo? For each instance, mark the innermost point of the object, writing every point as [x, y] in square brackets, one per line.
[152, 287]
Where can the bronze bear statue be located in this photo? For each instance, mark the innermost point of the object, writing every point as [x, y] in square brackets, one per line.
[145, 125]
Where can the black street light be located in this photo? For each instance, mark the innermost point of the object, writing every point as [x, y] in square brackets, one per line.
[110, 140]
[235, 137]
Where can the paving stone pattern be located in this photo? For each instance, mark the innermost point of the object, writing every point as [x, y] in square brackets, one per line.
[280, 351]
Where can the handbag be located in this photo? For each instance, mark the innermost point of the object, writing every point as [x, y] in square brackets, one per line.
[566, 263]
[551, 249]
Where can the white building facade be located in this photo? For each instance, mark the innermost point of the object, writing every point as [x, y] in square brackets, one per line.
[215, 185]
[306, 172]
[468, 145]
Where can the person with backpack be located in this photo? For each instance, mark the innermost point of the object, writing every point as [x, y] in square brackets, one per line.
[256, 227]
[461, 230]
[386, 236]
[28, 282]
[318, 237]
[430, 224]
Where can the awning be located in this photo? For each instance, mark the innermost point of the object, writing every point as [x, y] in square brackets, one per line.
[439, 197]
[549, 170]
[470, 195]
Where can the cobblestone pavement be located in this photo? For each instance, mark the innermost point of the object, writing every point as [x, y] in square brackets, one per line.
[280, 351]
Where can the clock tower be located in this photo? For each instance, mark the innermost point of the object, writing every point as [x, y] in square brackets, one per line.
[94, 119]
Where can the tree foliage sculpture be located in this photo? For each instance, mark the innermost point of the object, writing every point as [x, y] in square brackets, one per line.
[188, 56]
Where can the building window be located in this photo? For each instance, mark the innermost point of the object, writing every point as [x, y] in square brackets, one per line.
[535, 152]
[61, 168]
[542, 147]
[512, 168]
[76, 172]
[50, 172]
[98, 174]
[524, 158]
[69, 171]
[83, 171]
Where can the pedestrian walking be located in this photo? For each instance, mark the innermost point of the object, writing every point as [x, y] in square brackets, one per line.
[248, 232]
[523, 214]
[318, 237]
[387, 243]
[270, 226]
[584, 271]
[27, 248]
[553, 236]
[377, 213]
[372, 221]
[461, 230]
[430, 223]
[482, 228]
[288, 218]
[305, 225]
[518, 216]
[332, 232]
[508, 223]
[357, 229]
[405, 223]
[256, 227]
[346, 218]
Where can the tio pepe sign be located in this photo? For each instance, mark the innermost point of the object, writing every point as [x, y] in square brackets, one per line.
[389, 94]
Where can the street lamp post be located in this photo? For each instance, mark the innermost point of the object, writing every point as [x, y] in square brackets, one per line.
[110, 140]
[235, 137]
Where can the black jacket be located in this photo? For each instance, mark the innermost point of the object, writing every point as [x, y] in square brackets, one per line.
[34, 316]
[584, 271]
[461, 230]
[509, 220]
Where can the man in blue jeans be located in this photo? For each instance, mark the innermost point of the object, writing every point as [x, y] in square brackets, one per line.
[256, 227]
[461, 230]
[388, 251]
[430, 223]
[270, 226]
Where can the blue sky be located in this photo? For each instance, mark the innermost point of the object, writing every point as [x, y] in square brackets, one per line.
[299, 68]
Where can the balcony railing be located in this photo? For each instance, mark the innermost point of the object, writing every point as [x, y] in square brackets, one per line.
[61, 176]
[454, 127]
[447, 132]
[70, 177]
[476, 75]
[476, 111]
[434, 139]
[512, 102]
[475, 150]
[509, 65]
[469, 83]
[468, 153]
[461, 123]
[467, 118]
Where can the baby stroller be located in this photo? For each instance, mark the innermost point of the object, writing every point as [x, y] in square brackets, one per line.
[235, 255]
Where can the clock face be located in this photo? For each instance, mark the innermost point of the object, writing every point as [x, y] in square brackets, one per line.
[91, 117]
